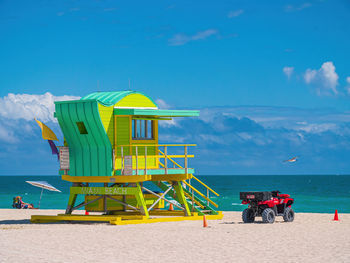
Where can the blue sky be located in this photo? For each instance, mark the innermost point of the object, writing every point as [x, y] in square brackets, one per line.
[273, 75]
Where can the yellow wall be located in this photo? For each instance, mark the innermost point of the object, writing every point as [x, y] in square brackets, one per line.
[118, 129]
[106, 114]
[151, 161]
[122, 134]
[124, 137]
[135, 100]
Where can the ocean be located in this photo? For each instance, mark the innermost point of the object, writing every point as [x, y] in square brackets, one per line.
[312, 193]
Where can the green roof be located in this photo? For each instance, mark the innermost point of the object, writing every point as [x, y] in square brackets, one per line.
[109, 98]
[160, 113]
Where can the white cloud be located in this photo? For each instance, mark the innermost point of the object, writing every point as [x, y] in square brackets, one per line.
[325, 79]
[319, 127]
[208, 138]
[28, 106]
[171, 138]
[288, 71]
[60, 13]
[7, 135]
[169, 123]
[162, 104]
[310, 75]
[292, 8]
[204, 34]
[235, 13]
[290, 118]
[245, 135]
[182, 39]
[348, 85]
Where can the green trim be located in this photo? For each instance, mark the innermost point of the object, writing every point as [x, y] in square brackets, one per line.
[152, 118]
[72, 101]
[160, 113]
[104, 190]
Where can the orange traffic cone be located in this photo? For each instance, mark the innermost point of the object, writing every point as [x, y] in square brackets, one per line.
[171, 207]
[205, 223]
[336, 216]
[86, 213]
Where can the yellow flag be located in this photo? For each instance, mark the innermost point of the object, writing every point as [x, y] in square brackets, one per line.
[46, 131]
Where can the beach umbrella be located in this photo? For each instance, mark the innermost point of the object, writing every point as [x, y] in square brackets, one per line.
[43, 185]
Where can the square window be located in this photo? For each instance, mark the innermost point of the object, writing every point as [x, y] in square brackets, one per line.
[149, 129]
[138, 129]
[81, 127]
[142, 129]
[133, 129]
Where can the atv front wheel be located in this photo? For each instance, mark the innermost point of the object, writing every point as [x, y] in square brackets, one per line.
[268, 216]
[248, 215]
[288, 215]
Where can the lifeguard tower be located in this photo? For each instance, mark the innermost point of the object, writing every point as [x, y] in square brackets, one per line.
[112, 157]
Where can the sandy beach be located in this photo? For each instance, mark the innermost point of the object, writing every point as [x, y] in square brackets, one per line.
[310, 238]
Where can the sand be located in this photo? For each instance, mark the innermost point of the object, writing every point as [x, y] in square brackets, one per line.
[310, 238]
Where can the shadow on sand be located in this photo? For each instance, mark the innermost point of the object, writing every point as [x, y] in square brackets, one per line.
[27, 222]
[256, 222]
[15, 222]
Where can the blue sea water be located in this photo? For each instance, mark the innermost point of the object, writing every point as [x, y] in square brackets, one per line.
[312, 193]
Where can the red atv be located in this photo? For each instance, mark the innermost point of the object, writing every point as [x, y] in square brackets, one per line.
[268, 205]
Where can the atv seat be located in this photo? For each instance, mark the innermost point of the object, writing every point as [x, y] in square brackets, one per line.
[283, 195]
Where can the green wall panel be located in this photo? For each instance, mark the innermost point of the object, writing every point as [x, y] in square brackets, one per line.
[90, 154]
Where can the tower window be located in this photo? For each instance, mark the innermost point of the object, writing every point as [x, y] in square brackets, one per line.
[81, 127]
[142, 130]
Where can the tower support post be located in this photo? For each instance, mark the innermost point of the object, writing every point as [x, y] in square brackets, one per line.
[141, 201]
[181, 197]
[72, 199]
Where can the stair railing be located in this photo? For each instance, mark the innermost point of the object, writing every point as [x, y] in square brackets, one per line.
[168, 158]
[140, 155]
[207, 197]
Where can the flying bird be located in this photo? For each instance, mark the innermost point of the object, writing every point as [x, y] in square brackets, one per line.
[292, 160]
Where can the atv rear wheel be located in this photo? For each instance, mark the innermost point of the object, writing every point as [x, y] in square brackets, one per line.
[288, 215]
[268, 216]
[248, 215]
